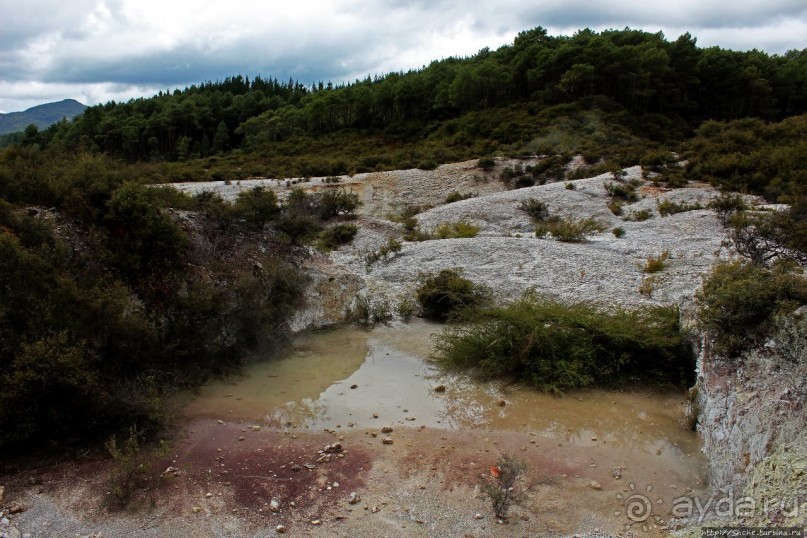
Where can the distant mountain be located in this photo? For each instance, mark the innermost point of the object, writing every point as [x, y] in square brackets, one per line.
[41, 115]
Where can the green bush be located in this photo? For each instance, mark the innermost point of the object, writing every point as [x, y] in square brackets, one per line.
[446, 293]
[556, 346]
[455, 230]
[569, 230]
[536, 209]
[486, 163]
[618, 231]
[455, 196]
[333, 202]
[256, 206]
[639, 215]
[668, 207]
[739, 301]
[623, 191]
[336, 235]
[726, 205]
[655, 264]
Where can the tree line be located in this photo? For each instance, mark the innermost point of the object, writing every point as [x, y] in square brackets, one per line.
[667, 86]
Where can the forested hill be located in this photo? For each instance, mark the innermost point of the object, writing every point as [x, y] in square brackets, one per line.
[613, 87]
[41, 115]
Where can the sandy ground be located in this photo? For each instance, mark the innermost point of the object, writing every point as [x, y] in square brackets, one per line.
[425, 484]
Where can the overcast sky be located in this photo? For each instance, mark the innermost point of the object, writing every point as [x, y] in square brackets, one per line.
[100, 50]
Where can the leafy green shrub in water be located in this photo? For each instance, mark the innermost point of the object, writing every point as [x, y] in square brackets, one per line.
[447, 292]
[556, 346]
[739, 301]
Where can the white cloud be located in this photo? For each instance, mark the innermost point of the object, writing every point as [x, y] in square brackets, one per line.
[116, 49]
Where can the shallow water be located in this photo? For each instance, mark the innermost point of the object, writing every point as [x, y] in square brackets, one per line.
[310, 388]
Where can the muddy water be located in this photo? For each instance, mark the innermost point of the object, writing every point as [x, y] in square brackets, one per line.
[353, 378]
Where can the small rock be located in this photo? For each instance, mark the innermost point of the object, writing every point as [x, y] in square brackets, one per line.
[2, 494]
[208, 495]
[309, 466]
[477, 516]
[375, 509]
[331, 449]
[274, 505]
[221, 422]
[501, 402]
[595, 485]
[387, 441]
[373, 434]
[296, 468]
[16, 507]
[375, 415]
[325, 458]
[316, 522]
[280, 529]
[440, 388]
[616, 472]
[354, 498]
[386, 429]
[241, 438]
[354, 386]
[196, 509]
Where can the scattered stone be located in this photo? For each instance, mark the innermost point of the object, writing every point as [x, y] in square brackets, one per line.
[208, 495]
[477, 516]
[316, 522]
[221, 422]
[375, 415]
[255, 428]
[440, 388]
[2, 494]
[325, 458]
[595, 485]
[387, 441]
[501, 402]
[309, 466]
[373, 434]
[354, 386]
[16, 507]
[241, 438]
[375, 509]
[171, 470]
[616, 472]
[333, 448]
[274, 505]
[386, 429]
[196, 509]
[354, 498]
[296, 468]
[280, 529]
[410, 419]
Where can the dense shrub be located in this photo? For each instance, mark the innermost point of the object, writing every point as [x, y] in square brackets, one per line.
[446, 293]
[256, 206]
[455, 196]
[455, 230]
[568, 229]
[667, 207]
[336, 235]
[556, 346]
[739, 301]
[654, 264]
[536, 209]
